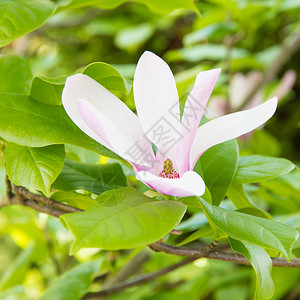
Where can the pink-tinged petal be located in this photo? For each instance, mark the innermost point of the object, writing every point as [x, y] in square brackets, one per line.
[105, 118]
[286, 84]
[229, 127]
[240, 87]
[157, 103]
[190, 184]
[193, 111]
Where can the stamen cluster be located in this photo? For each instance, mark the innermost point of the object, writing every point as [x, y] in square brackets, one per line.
[168, 170]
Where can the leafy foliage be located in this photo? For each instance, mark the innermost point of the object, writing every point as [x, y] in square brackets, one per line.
[30, 15]
[122, 219]
[36, 168]
[104, 39]
[93, 178]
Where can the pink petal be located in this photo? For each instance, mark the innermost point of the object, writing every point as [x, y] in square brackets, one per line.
[190, 184]
[229, 127]
[193, 112]
[105, 118]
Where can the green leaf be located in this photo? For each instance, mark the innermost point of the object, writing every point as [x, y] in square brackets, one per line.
[28, 122]
[198, 53]
[15, 74]
[205, 231]
[157, 6]
[256, 168]
[262, 265]
[16, 272]
[264, 143]
[48, 90]
[93, 178]
[131, 38]
[19, 17]
[35, 168]
[73, 284]
[219, 164]
[258, 231]
[123, 219]
[73, 199]
[107, 76]
[237, 194]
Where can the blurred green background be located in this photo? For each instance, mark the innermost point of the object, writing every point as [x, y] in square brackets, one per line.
[253, 42]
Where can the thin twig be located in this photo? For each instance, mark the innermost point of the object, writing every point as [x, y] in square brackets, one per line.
[40, 208]
[211, 246]
[219, 255]
[21, 191]
[138, 280]
[132, 267]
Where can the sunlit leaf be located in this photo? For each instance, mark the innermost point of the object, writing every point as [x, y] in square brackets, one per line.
[122, 219]
[15, 74]
[157, 6]
[258, 231]
[256, 168]
[19, 17]
[48, 90]
[262, 265]
[35, 168]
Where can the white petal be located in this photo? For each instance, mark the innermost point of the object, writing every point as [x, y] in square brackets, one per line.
[193, 111]
[190, 184]
[156, 101]
[229, 127]
[102, 116]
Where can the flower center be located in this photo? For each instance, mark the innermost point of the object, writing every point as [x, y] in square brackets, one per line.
[168, 170]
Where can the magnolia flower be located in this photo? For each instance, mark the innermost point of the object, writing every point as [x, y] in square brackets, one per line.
[162, 147]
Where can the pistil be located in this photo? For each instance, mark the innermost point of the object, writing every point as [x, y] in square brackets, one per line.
[168, 170]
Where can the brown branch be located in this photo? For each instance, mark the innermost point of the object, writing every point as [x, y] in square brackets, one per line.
[56, 209]
[9, 193]
[219, 255]
[34, 205]
[270, 74]
[138, 280]
[21, 191]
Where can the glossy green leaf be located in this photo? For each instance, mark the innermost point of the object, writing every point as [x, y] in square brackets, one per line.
[107, 76]
[258, 231]
[157, 6]
[237, 194]
[93, 178]
[48, 90]
[19, 17]
[262, 264]
[256, 168]
[219, 164]
[74, 199]
[37, 124]
[123, 219]
[15, 74]
[73, 284]
[35, 168]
